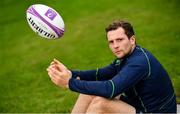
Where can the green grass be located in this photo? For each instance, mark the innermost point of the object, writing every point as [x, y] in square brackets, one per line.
[24, 56]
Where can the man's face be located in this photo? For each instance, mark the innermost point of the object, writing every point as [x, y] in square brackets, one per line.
[119, 42]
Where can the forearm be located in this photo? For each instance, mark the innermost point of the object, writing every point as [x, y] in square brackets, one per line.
[101, 74]
[98, 88]
[89, 75]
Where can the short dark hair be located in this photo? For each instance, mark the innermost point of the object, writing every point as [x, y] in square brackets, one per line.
[124, 24]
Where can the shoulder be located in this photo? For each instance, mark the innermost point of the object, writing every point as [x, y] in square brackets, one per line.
[139, 56]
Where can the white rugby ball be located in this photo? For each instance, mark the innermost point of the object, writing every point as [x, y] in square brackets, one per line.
[45, 21]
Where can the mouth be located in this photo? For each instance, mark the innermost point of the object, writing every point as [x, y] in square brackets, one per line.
[117, 52]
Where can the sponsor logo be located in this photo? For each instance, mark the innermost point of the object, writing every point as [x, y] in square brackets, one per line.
[39, 29]
[50, 14]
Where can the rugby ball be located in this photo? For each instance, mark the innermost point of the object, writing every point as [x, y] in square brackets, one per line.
[45, 21]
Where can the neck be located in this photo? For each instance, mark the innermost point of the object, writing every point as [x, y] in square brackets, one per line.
[132, 49]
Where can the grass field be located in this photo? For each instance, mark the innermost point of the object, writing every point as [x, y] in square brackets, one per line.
[24, 56]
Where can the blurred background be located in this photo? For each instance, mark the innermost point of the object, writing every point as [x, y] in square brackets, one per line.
[24, 56]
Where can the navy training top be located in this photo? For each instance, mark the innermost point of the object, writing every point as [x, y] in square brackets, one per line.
[139, 77]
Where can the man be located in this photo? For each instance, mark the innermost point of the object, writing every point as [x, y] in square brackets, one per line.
[136, 76]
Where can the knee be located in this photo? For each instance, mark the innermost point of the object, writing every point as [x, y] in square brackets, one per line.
[98, 101]
[97, 105]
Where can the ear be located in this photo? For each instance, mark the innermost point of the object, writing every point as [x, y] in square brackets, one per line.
[133, 40]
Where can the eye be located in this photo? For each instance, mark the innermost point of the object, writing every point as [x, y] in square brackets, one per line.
[119, 39]
[110, 42]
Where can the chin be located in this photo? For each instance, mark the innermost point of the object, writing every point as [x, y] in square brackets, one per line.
[119, 56]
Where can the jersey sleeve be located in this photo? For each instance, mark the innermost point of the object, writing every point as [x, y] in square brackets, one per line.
[127, 77]
[94, 75]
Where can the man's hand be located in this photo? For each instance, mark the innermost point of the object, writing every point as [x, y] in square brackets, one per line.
[59, 74]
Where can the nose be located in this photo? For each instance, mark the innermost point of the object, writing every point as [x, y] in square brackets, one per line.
[115, 45]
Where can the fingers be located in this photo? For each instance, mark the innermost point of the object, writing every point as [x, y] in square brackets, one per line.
[55, 61]
[55, 72]
[53, 69]
[55, 76]
[52, 63]
[59, 63]
[56, 81]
